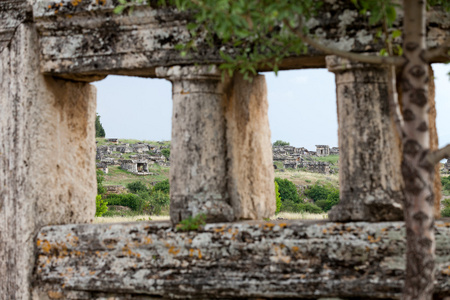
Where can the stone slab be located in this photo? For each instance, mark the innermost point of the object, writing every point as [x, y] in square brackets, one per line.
[246, 260]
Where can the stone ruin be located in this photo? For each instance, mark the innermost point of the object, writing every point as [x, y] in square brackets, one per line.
[301, 158]
[447, 167]
[322, 150]
[49, 53]
[137, 167]
[138, 163]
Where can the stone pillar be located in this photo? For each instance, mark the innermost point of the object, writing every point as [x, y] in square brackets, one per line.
[369, 163]
[198, 155]
[221, 157]
[251, 174]
[47, 157]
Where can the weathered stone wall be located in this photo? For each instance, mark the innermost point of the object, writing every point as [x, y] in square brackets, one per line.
[250, 260]
[47, 157]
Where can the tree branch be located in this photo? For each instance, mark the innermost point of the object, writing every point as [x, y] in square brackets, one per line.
[441, 51]
[436, 156]
[383, 60]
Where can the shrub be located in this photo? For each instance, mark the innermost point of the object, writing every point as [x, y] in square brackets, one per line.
[287, 190]
[132, 201]
[277, 199]
[100, 206]
[137, 186]
[166, 153]
[324, 196]
[291, 206]
[281, 143]
[100, 188]
[162, 186]
[156, 202]
[446, 211]
[310, 208]
[317, 192]
[445, 183]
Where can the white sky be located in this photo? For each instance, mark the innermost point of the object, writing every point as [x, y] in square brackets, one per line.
[302, 107]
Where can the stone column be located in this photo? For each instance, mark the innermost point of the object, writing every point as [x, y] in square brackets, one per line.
[47, 156]
[369, 162]
[221, 155]
[250, 159]
[198, 155]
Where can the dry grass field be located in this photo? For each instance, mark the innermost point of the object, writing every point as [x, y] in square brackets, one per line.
[282, 215]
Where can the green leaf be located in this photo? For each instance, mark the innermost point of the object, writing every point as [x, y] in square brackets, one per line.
[383, 52]
[391, 14]
[119, 9]
[396, 33]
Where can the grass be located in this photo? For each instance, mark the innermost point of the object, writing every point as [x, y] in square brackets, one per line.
[331, 159]
[299, 177]
[102, 141]
[300, 216]
[120, 219]
[117, 176]
[135, 218]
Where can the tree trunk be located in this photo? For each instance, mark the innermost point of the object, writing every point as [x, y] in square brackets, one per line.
[418, 175]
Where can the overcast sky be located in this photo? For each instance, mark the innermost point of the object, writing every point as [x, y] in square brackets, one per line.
[302, 107]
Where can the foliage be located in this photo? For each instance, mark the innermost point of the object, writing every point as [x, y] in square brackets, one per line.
[277, 199]
[137, 186]
[100, 188]
[446, 211]
[281, 143]
[156, 202]
[192, 223]
[290, 206]
[99, 130]
[327, 204]
[324, 196]
[132, 201]
[166, 153]
[162, 186]
[287, 190]
[100, 206]
[445, 184]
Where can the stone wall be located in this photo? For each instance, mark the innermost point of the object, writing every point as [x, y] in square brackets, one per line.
[245, 260]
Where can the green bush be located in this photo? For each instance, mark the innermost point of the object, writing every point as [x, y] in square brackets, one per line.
[287, 190]
[277, 199]
[137, 186]
[446, 211]
[166, 153]
[310, 208]
[324, 196]
[291, 206]
[156, 202]
[162, 186]
[445, 184]
[132, 201]
[317, 192]
[100, 206]
[100, 188]
[281, 143]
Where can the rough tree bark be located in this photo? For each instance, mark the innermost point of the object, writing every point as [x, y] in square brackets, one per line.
[417, 172]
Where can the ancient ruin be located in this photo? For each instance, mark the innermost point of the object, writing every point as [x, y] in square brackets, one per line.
[322, 150]
[221, 166]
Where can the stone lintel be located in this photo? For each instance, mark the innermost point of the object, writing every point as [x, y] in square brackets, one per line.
[281, 259]
[88, 41]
